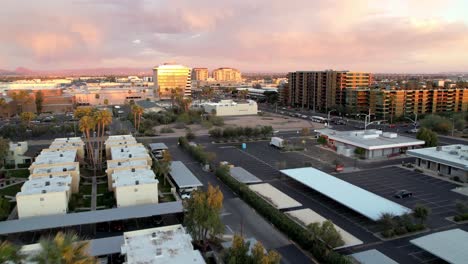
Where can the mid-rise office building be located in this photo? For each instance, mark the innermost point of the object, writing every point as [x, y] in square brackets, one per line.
[323, 90]
[199, 74]
[227, 75]
[170, 79]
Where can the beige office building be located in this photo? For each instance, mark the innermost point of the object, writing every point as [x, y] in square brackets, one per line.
[227, 75]
[170, 79]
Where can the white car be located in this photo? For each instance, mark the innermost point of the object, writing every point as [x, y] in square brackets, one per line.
[185, 196]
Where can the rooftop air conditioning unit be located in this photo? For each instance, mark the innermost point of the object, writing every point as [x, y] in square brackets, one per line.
[44, 191]
[133, 169]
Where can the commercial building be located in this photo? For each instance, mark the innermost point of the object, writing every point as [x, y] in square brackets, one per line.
[168, 244]
[170, 79]
[135, 187]
[16, 154]
[389, 103]
[450, 161]
[229, 108]
[199, 74]
[227, 75]
[322, 90]
[373, 143]
[44, 196]
[113, 95]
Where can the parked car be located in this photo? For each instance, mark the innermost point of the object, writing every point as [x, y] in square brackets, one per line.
[403, 194]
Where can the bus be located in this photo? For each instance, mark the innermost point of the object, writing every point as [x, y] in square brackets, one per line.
[318, 119]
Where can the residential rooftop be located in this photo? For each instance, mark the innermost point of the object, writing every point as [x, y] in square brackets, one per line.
[133, 177]
[46, 184]
[370, 139]
[133, 162]
[167, 244]
[50, 156]
[452, 155]
[53, 168]
[128, 152]
[120, 138]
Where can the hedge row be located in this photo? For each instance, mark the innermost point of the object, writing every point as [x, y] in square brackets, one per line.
[293, 230]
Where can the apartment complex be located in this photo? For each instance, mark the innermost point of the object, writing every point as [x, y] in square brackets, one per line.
[171, 78]
[394, 103]
[200, 74]
[322, 90]
[227, 75]
[129, 172]
[54, 176]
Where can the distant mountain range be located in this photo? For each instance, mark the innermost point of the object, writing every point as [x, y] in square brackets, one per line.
[21, 71]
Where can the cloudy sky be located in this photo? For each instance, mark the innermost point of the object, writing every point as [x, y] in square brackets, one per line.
[252, 35]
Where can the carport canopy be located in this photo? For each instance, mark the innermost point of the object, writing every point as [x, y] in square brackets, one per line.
[182, 176]
[158, 146]
[242, 175]
[372, 256]
[450, 245]
[364, 202]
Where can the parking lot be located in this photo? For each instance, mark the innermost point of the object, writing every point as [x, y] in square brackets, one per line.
[428, 191]
[264, 161]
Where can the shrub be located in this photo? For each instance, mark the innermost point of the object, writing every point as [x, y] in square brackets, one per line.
[322, 140]
[190, 135]
[167, 130]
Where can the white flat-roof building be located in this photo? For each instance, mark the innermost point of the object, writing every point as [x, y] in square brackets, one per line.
[117, 165]
[131, 151]
[51, 156]
[16, 153]
[44, 196]
[450, 161]
[67, 143]
[376, 144]
[46, 170]
[230, 108]
[135, 187]
[117, 141]
[161, 245]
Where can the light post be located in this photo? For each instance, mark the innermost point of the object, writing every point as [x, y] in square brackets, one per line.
[415, 121]
[329, 112]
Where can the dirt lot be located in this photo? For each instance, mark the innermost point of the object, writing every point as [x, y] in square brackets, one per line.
[278, 122]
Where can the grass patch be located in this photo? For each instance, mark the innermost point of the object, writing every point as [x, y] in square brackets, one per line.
[22, 173]
[11, 190]
[102, 188]
[86, 189]
[163, 187]
[167, 198]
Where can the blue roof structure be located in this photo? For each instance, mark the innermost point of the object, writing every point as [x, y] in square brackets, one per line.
[450, 245]
[364, 202]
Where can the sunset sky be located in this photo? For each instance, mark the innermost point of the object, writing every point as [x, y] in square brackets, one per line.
[252, 35]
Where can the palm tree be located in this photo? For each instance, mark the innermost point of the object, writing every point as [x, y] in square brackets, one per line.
[64, 248]
[86, 125]
[4, 105]
[163, 168]
[102, 119]
[387, 221]
[139, 111]
[421, 212]
[10, 253]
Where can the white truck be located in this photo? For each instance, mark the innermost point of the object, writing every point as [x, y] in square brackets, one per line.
[277, 142]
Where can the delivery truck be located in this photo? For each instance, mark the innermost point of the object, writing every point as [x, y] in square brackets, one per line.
[277, 142]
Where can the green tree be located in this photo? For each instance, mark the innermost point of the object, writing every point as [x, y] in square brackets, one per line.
[27, 117]
[39, 101]
[5, 207]
[106, 101]
[360, 152]
[326, 232]
[429, 137]
[421, 212]
[4, 149]
[203, 215]
[238, 253]
[10, 253]
[190, 135]
[64, 248]
[258, 255]
[322, 140]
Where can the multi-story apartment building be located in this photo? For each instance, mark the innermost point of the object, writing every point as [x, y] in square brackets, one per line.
[170, 79]
[322, 90]
[227, 75]
[394, 103]
[283, 94]
[199, 74]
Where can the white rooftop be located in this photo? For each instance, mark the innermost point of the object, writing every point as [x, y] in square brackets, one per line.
[50, 156]
[274, 196]
[46, 184]
[118, 138]
[228, 103]
[307, 217]
[370, 139]
[114, 164]
[452, 155]
[68, 140]
[137, 151]
[372, 256]
[55, 168]
[132, 177]
[242, 175]
[161, 245]
[364, 202]
[450, 245]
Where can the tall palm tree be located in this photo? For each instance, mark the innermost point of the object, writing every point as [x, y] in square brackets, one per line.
[139, 111]
[10, 253]
[86, 125]
[64, 248]
[102, 119]
[421, 212]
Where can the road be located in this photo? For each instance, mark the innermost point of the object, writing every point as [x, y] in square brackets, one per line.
[359, 125]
